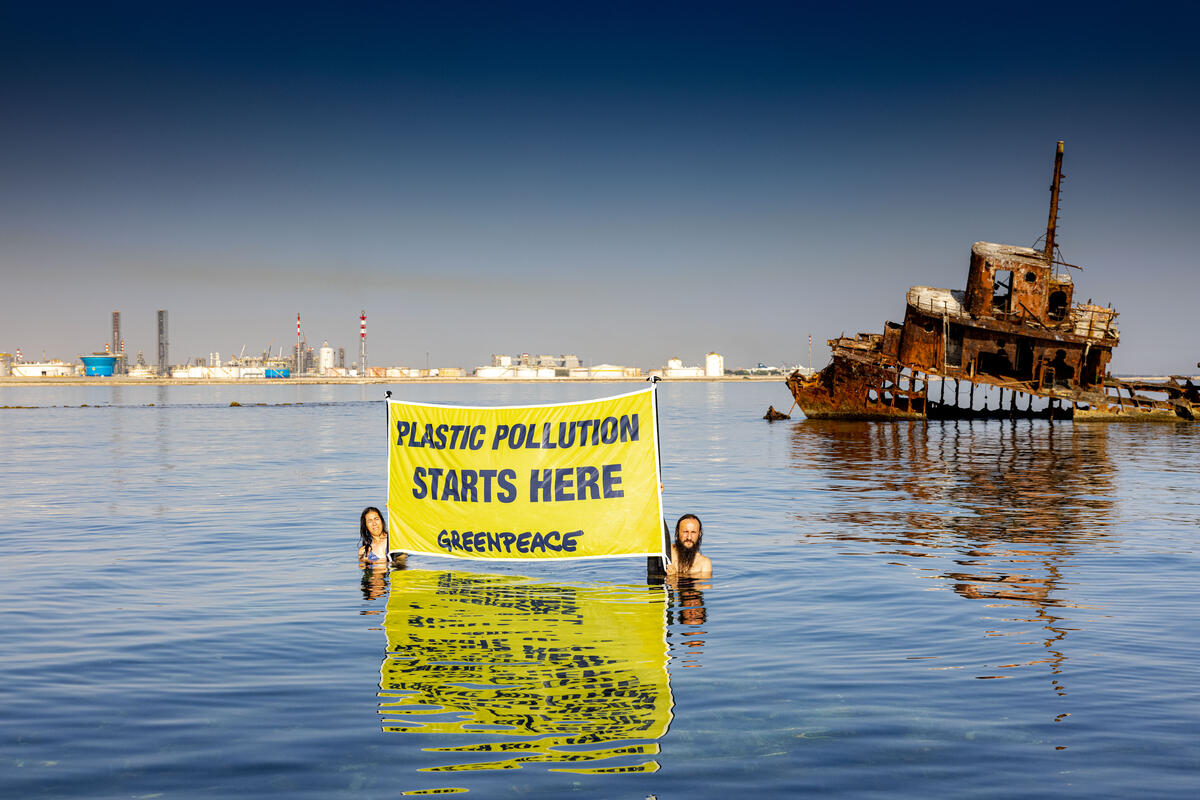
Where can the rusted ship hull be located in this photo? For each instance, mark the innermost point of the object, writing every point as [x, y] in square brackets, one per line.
[851, 389]
[1172, 400]
[857, 389]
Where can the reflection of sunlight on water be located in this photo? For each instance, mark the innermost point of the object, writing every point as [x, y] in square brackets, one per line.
[567, 675]
[998, 518]
[714, 397]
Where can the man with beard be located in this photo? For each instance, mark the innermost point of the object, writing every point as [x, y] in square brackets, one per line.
[686, 558]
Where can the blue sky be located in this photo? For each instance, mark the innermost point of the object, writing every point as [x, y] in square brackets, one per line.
[624, 182]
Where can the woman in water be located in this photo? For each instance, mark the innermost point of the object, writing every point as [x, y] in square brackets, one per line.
[373, 537]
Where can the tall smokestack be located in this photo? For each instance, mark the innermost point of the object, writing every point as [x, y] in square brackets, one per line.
[163, 357]
[299, 362]
[362, 344]
[116, 342]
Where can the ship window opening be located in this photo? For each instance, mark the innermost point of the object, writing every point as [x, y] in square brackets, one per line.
[1024, 365]
[954, 346]
[1002, 289]
[1092, 369]
[873, 396]
[1031, 277]
[1057, 308]
[1061, 373]
[928, 326]
[997, 363]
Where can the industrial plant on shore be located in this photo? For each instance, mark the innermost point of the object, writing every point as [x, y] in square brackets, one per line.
[327, 362]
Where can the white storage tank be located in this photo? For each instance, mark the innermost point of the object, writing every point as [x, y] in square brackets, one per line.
[40, 369]
[325, 358]
[714, 365]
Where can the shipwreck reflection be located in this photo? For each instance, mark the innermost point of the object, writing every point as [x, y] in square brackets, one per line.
[532, 673]
[997, 512]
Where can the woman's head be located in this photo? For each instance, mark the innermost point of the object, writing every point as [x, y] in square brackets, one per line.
[371, 524]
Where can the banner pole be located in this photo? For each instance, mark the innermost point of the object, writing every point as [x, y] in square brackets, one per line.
[387, 423]
[387, 467]
[661, 566]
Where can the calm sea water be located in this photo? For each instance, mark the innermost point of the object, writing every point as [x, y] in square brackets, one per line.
[976, 609]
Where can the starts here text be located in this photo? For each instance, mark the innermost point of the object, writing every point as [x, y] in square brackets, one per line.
[545, 485]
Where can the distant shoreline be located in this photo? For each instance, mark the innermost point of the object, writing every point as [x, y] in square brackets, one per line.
[82, 380]
[78, 380]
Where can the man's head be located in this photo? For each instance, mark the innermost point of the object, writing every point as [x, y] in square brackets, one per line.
[688, 533]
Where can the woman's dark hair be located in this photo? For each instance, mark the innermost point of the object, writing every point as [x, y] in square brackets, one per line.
[364, 534]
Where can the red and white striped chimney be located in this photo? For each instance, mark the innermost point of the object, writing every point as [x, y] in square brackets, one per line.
[362, 344]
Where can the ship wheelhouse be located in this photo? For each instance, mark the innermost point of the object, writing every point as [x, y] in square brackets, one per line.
[1014, 322]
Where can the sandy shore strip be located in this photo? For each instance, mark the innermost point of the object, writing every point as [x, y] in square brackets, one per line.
[80, 380]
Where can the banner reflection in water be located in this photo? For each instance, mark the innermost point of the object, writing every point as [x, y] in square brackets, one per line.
[569, 675]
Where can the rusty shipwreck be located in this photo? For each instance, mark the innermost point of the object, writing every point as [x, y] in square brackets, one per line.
[1014, 334]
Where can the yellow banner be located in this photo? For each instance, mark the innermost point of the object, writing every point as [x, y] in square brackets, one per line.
[573, 480]
[569, 675]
